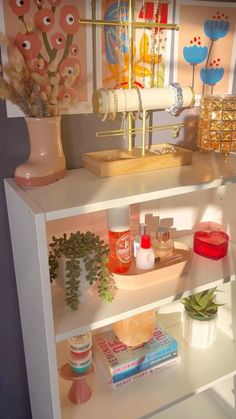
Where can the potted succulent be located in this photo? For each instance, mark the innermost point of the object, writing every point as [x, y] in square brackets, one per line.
[200, 318]
[77, 263]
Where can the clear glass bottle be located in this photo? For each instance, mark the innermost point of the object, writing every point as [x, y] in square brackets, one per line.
[145, 258]
[137, 240]
[119, 239]
[162, 245]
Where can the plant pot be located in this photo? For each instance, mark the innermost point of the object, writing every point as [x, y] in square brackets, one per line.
[199, 333]
[86, 291]
[46, 163]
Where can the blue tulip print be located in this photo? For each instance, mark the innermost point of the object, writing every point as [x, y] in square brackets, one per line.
[196, 53]
[215, 29]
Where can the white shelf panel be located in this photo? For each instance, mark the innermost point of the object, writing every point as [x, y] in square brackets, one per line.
[93, 314]
[198, 407]
[82, 192]
[197, 371]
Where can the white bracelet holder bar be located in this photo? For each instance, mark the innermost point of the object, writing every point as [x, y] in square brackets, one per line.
[152, 99]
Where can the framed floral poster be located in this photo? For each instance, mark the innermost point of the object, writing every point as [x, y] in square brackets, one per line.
[151, 47]
[205, 46]
[55, 47]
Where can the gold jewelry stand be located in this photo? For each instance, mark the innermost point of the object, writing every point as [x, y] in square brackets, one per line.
[130, 160]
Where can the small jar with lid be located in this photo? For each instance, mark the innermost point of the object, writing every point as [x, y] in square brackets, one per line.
[162, 245]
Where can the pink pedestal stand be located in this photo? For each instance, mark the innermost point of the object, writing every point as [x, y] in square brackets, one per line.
[80, 391]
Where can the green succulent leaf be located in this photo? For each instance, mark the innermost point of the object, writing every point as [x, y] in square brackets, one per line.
[202, 304]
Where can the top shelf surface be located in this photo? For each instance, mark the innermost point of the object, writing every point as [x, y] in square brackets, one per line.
[83, 192]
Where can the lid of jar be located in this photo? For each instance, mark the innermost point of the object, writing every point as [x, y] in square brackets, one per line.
[145, 241]
[163, 234]
[80, 343]
[118, 218]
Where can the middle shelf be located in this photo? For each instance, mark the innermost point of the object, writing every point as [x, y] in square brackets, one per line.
[202, 274]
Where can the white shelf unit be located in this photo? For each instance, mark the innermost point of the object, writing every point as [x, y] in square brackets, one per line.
[183, 196]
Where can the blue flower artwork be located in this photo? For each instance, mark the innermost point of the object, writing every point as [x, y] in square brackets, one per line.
[195, 54]
[215, 29]
[211, 76]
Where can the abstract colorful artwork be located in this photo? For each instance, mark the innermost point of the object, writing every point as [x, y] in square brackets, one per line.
[151, 47]
[51, 40]
[205, 47]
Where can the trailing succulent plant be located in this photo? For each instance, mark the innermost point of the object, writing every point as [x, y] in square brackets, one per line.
[90, 249]
[202, 305]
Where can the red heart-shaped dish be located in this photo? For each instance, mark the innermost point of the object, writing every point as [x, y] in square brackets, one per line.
[212, 245]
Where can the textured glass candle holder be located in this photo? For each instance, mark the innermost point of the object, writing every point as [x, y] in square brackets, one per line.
[217, 124]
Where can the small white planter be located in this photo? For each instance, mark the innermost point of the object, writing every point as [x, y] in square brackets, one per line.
[199, 333]
[86, 290]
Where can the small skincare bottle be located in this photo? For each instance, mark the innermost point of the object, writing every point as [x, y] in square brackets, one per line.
[145, 258]
[162, 245]
[137, 240]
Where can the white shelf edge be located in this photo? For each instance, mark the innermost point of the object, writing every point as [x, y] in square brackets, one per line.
[155, 305]
[82, 192]
[134, 199]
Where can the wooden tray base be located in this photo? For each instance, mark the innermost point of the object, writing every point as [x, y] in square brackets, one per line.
[121, 162]
[169, 268]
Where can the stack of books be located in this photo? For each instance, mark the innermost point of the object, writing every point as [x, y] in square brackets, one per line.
[121, 365]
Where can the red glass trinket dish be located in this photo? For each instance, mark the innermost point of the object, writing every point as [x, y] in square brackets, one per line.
[212, 245]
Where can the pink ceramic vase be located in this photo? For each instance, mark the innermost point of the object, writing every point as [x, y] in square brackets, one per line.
[46, 163]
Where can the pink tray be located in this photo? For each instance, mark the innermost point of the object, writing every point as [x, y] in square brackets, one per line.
[169, 268]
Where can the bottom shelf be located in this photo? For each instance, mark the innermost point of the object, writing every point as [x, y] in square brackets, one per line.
[198, 371]
[202, 406]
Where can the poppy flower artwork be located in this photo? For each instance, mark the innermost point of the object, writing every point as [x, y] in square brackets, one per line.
[205, 44]
[49, 49]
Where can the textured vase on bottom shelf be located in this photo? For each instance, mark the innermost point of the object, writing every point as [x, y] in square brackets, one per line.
[46, 163]
[199, 333]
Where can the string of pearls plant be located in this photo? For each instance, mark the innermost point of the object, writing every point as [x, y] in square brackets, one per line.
[93, 252]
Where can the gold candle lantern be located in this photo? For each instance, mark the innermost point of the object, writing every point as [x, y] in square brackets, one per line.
[217, 124]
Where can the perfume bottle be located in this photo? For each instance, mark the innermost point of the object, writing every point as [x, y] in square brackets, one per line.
[145, 258]
[119, 236]
[137, 240]
[162, 245]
